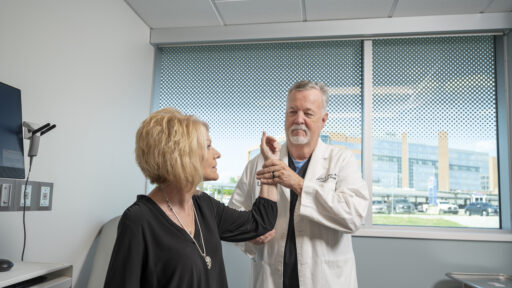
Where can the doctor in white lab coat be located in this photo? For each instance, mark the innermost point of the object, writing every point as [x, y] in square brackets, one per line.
[312, 246]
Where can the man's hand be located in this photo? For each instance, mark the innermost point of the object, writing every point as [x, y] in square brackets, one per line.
[269, 147]
[277, 172]
[264, 238]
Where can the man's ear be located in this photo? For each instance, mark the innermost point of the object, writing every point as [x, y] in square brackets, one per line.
[324, 118]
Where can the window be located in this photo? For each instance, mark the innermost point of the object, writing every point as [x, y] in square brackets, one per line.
[434, 119]
[434, 124]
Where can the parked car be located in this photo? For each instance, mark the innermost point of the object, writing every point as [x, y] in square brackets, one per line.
[400, 206]
[447, 207]
[481, 208]
[421, 207]
[379, 206]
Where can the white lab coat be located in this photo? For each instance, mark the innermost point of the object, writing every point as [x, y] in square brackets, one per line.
[333, 204]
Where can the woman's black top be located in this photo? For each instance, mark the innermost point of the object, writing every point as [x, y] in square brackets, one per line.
[153, 251]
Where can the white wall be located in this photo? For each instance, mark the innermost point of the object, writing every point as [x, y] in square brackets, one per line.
[86, 66]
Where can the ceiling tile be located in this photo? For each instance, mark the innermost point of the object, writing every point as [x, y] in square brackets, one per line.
[407, 8]
[259, 11]
[175, 13]
[499, 6]
[347, 9]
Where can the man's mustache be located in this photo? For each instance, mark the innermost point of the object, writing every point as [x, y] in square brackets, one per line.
[299, 127]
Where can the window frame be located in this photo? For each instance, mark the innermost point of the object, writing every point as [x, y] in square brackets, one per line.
[504, 78]
[504, 146]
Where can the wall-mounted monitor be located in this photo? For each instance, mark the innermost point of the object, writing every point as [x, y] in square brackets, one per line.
[12, 164]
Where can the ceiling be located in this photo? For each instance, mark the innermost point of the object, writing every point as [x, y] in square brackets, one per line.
[216, 13]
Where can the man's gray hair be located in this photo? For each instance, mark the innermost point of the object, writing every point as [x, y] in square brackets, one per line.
[307, 85]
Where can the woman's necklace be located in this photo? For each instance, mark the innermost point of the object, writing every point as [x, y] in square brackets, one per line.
[207, 258]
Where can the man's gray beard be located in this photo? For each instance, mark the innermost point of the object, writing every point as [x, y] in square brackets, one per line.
[298, 139]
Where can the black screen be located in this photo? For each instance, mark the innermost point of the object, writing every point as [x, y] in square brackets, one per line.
[12, 163]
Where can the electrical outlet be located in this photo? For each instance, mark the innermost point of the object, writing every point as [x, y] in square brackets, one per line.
[28, 195]
[5, 199]
[39, 196]
[45, 196]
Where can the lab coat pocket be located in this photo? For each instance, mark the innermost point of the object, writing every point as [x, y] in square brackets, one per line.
[339, 273]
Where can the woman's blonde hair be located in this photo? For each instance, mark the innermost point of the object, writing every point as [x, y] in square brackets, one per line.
[170, 148]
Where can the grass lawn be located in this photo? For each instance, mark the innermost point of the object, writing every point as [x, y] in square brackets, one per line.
[228, 191]
[413, 221]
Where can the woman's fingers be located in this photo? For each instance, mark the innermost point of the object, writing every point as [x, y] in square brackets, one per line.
[264, 149]
[264, 238]
[271, 146]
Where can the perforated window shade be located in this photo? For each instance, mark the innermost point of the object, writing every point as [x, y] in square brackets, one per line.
[437, 84]
[240, 90]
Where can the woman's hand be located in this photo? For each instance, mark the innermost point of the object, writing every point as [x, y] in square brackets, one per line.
[264, 238]
[269, 147]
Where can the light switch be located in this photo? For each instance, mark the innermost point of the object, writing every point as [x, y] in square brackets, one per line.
[5, 199]
[45, 196]
[28, 195]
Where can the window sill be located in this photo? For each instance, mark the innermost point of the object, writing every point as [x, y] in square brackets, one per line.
[490, 235]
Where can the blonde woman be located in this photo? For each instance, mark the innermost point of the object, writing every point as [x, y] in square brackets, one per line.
[172, 237]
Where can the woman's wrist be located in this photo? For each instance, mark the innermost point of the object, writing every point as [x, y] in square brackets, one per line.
[269, 191]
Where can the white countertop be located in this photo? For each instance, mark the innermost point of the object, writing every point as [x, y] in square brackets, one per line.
[22, 271]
